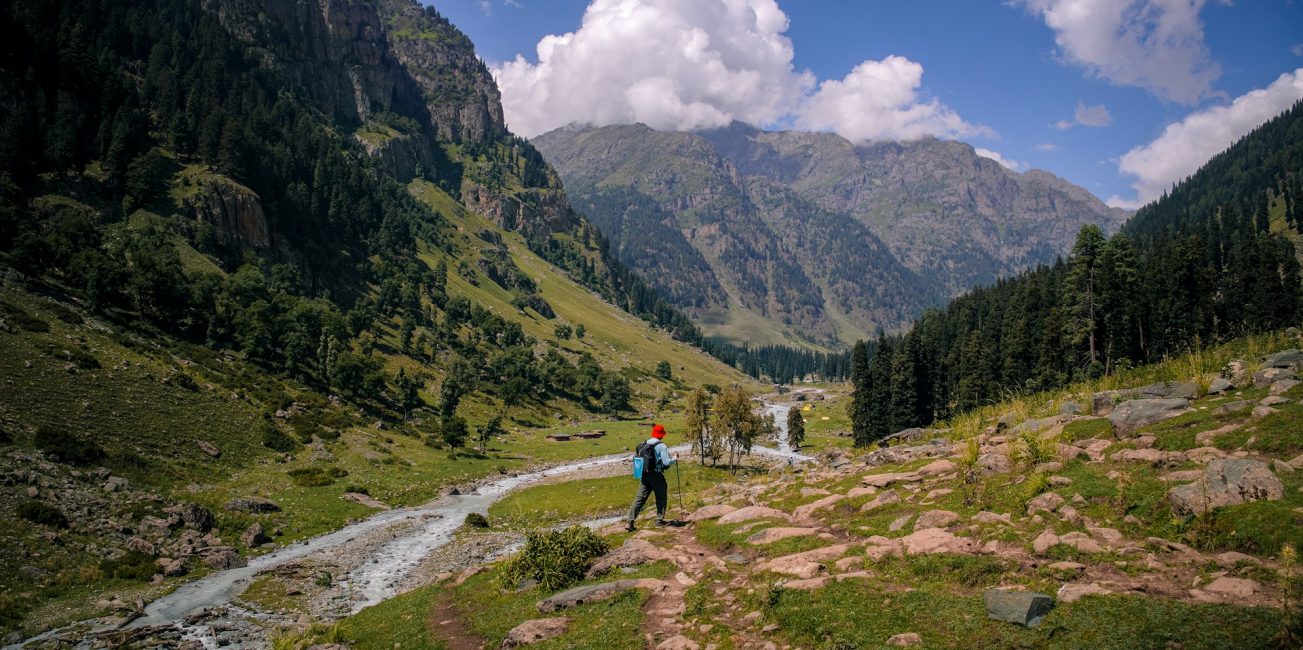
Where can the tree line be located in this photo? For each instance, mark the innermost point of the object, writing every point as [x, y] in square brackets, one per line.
[1213, 259]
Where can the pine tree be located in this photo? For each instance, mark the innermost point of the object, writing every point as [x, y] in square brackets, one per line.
[904, 390]
[1081, 290]
[879, 393]
[795, 428]
[859, 409]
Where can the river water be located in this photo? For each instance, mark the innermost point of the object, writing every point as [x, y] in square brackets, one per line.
[382, 574]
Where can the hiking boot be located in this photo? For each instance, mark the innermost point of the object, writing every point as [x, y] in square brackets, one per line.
[630, 527]
[661, 522]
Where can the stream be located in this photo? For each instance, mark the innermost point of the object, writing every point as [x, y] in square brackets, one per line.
[382, 573]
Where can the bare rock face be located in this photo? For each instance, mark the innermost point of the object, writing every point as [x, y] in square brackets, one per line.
[1225, 482]
[1133, 414]
[533, 631]
[233, 210]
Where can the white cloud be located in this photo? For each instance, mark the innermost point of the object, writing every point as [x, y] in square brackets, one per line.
[880, 100]
[1047, 146]
[1157, 45]
[1297, 50]
[1011, 164]
[1186, 145]
[1087, 116]
[693, 64]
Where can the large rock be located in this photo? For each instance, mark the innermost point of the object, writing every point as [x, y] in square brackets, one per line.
[1073, 591]
[632, 553]
[1226, 482]
[1133, 414]
[253, 536]
[1268, 376]
[994, 463]
[905, 640]
[1023, 608]
[752, 513]
[1219, 385]
[1048, 502]
[223, 557]
[935, 519]
[1170, 390]
[807, 510]
[576, 596]
[883, 480]
[886, 498]
[194, 516]
[1291, 359]
[533, 631]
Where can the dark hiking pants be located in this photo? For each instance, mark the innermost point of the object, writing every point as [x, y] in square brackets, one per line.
[652, 483]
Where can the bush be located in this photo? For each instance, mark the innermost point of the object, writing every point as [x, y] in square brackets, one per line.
[315, 476]
[476, 520]
[39, 512]
[132, 566]
[276, 440]
[556, 559]
[358, 489]
[67, 447]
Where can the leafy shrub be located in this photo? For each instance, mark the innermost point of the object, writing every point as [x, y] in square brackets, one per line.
[358, 489]
[132, 566]
[316, 476]
[39, 512]
[276, 440]
[556, 559]
[67, 447]
[25, 320]
[476, 520]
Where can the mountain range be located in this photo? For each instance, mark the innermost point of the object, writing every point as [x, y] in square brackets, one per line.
[808, 238]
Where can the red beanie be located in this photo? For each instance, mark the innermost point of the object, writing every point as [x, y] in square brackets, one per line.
[658, 431]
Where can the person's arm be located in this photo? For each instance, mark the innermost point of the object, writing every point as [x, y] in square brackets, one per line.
[663, 455]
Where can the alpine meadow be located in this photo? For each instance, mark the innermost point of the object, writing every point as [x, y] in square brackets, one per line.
[674, 324]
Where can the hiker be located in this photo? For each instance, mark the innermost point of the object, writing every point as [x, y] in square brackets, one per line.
[656, 458]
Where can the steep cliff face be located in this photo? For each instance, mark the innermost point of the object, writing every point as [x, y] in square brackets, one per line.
[232, 210]
[862, 236]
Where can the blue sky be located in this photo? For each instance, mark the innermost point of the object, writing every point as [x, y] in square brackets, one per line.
[1159, 85]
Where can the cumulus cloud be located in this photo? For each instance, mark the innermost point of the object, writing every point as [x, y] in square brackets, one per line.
[694, 64]
[1047, 146]
[1297, 50]
[1187, 144]
[1087, 116]
[1157, 45]
[1011, 164]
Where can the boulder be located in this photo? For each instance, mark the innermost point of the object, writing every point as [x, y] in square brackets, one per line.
[1225, 482]
[935, 519]
[1071, 408]
[253, 536]
[883, 499]
[904, 640]
[1260, 412]
[1072, 592]
[1232, 407]
[364, 499]
[1102, 404]
[1219, 386]
[771, 535]
[1237, 372]
[994, 463]
[194, 516]
[256, 505]
[576, 596]
[710, 512]
[1283, 386]
[935, 540]
[1170, 390]
[1133, 414]
[533, 631]
[678, 642]
[1044, 542]
[223, 557]
[752, 513]
[1268, 376]
[1239, 587]
[632, 553]
[1274, 400]
[1023, 608]
[1291, 359]
[1048, 502]
[1203, 455]
[985, 517]
[208, 448]
[171, 567]
[936, 468]
[1152, 456]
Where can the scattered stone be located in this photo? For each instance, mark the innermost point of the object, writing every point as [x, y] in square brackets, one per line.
[1219, 386]
[1048, 468]
[1023, 608]
[935, 519]
[771, 535]
[632, 553]
[223, 557]
[1048, 502]
[936, 467]
[904, 640]
[935, 540]
[710, 512]
[535, 630]
[1237, 372]
[116, 484]
[1071, 408]
[1152, 456]
[1291, 359]
[1227, 481]
[194, 516]
[140, 546]
[171, 567]
[593, 593]
[1068, 567]
[1204, 455]
[1044, 542]
[364, 499]
[881, 500]
[1283, 386]
[899, 523]
[254, 505]
[678, 642]
[1281, 466]
[812, 491]
[1059, 481]
[985, 517]
[1241, 587]
[209, 449]
[884, 480]
[994, 463]
[1260, 412]
[1144, 442]
[752, 513]
[1133, 414]
[1232, 407]
[861, 492]
[807, 510]
[1072, 592]
[1231, 559]
[1274, 400]
[1268, 376]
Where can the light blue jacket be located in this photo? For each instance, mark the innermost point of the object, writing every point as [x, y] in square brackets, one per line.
[663, 458]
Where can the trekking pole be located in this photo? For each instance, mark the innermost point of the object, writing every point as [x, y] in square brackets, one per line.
[678, 485]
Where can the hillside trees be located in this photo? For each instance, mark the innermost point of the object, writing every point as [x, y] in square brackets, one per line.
[795, 428]
[1212, 260]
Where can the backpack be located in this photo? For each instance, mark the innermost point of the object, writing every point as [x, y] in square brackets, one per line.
[645, 459]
